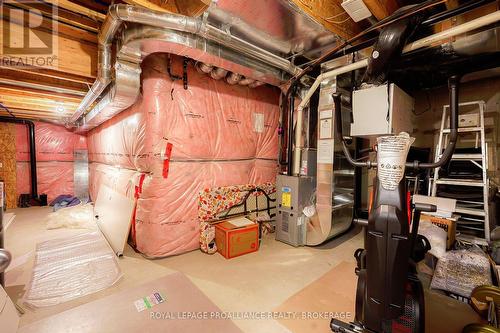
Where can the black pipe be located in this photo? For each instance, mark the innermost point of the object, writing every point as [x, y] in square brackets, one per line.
[388, 48]
[31, 133]
[339, 136]
[453, 84]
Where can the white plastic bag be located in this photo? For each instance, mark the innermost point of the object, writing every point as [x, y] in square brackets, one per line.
[436, 236]
[391, 158]
[76, 217]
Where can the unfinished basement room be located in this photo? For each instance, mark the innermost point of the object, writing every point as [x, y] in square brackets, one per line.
[250, 166]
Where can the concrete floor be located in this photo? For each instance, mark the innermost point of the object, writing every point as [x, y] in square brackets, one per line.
[259, 281]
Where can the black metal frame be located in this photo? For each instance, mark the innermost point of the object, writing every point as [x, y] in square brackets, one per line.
[244, 204]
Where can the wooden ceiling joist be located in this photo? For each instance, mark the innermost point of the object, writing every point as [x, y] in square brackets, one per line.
[6, 90]
[63, 16]
[381, 8]
[7, 74]
[63, 30]
[55, 74]
[76, 8]
[23, 113]
[162, 6]
[331, 15]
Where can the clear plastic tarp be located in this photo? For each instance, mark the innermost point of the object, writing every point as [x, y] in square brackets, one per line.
[68, 268]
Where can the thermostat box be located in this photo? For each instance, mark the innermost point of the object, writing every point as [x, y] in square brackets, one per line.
[381, 110]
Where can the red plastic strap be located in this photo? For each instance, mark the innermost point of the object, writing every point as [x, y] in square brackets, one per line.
[138, 191]
[138, 188]
[166, 161]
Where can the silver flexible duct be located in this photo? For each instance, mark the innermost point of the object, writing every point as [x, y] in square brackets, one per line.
[125, 13]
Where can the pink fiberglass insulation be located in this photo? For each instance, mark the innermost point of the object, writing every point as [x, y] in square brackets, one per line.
[54, 154]
[54, 178]
[219, 135]
[53, 143]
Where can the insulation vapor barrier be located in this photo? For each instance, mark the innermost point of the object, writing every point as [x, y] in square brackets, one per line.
[55, 147]
[174, 143]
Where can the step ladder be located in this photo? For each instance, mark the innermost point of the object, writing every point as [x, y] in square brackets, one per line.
[476, 213]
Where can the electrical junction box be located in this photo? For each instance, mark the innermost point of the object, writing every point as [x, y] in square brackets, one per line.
[381, 110]
[356, 9]
[293, 194]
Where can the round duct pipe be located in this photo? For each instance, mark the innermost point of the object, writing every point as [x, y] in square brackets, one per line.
[256, 84]
[233, 78]
[218, 73]
[203, 68]
[246, 81]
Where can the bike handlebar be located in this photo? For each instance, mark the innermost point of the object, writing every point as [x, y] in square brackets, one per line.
[453, 85]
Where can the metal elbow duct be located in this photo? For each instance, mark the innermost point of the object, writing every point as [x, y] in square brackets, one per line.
[233, 78]
[246, 82]
[125, 13]
[204, 68]
[256, 84]
[218, 73]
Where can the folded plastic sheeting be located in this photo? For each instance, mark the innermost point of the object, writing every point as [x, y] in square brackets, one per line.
[55, 146]
[77, 217]
[173, 143]
[69, 268]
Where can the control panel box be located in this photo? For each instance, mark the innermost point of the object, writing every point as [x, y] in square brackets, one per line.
[381, 110]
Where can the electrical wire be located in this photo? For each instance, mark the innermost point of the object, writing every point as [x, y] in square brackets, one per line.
[339, 22]
[334, 16]
[7, 109]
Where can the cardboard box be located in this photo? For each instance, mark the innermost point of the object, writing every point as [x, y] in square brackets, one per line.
[448, 224]
[237, 236]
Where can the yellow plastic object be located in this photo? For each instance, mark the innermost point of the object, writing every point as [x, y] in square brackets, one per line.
[482, 295]
[480, 328]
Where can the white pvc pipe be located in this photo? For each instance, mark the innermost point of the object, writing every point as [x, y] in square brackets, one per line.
[426, 41]
[460, 29]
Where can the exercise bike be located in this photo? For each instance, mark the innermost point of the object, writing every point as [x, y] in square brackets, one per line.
[389, 295]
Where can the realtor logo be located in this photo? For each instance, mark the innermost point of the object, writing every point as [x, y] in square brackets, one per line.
[29, 34]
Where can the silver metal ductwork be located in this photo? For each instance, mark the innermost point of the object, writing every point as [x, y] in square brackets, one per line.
[234, 36]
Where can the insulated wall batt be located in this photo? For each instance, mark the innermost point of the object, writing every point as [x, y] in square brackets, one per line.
[55, 146]
[219, 135]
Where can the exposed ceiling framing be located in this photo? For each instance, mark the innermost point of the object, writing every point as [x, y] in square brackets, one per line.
[55, 92]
